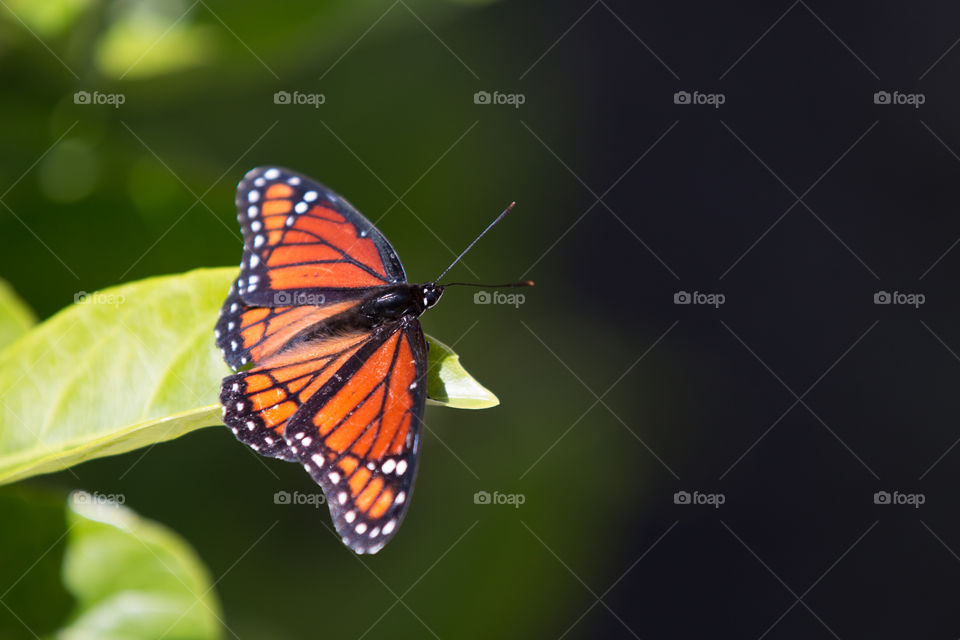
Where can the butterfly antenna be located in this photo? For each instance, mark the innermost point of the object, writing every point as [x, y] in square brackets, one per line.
[475, 240]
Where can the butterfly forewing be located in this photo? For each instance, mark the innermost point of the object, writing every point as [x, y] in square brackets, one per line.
[304, 244]
[359, 437]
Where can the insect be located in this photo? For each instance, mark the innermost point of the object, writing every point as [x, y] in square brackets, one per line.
[322, 328]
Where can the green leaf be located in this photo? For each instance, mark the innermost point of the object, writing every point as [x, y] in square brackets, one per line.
[134, 365]
[133, 578]
[90, 569]
[16, 317]
[449, 384]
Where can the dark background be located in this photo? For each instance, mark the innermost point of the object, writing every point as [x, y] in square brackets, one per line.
[797, 199]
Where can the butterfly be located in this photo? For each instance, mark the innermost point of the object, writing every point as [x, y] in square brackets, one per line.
[322, 328]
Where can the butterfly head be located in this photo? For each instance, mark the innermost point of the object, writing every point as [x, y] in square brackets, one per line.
[430, 294]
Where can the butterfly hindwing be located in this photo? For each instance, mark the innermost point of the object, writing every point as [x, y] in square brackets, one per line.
[359, 435]
[305, 245]
[258, 403]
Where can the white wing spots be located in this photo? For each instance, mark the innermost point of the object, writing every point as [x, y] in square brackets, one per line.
[350, 516]
[234, 429]
[244, 360]
[216, 333]
[371, 466]
[251, 425]
[255, 447]
[317, 459]
[258, 241]
[256, 225]
[223, 411]
[233, 345]
[389, 466]
[234, 307]
[230, 325]
[239, 406]
[268, 439]
[254, 279]
[307, 441]
[236, 386]
[361, 528]
[387, 528]
[400, 497]
[294, 181]
[310, 196]
[363, 233]
[401, 467]
[375, 532]
[413, 385]
[290, 220]
[271, 174]
[252, 287]
[252, 211]
[301, 207]
[299, 435]
[253, 196]
[342, 497]
[334, 477]
[254, 260]
[259, 182]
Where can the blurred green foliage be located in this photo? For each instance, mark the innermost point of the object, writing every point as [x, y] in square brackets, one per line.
[98, 194]
[88, 568]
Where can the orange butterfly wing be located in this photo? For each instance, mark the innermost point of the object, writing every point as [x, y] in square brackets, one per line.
[358, 436]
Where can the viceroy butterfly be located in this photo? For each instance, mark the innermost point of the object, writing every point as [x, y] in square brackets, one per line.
[323, 316]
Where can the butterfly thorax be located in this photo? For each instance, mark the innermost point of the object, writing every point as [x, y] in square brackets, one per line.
[399, 301]
[385, 306]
